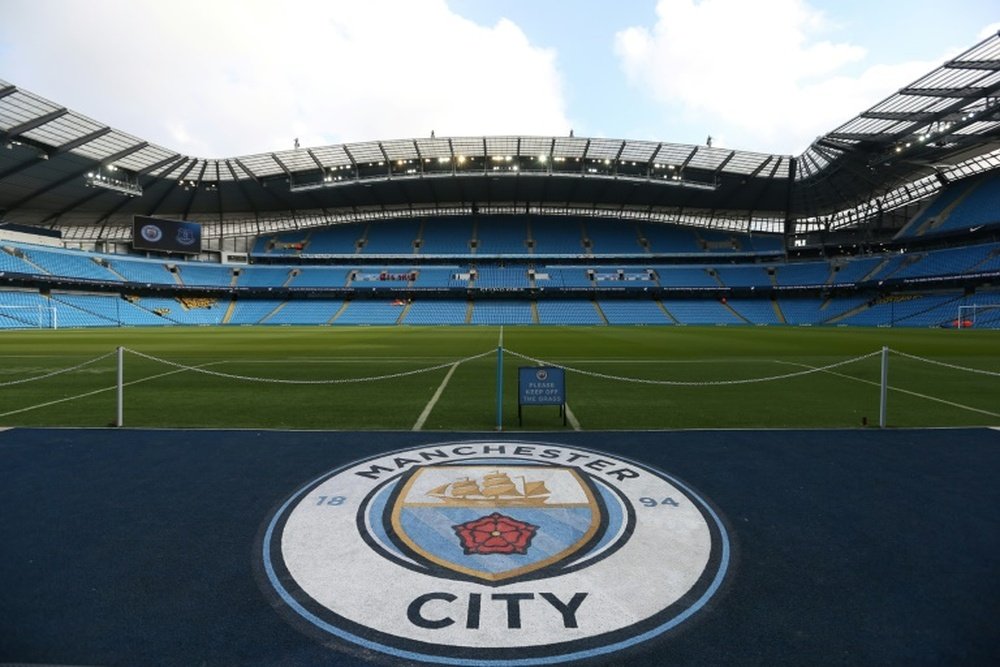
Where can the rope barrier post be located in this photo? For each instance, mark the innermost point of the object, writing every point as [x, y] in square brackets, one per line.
[884, 387]
[499, 387]
[120, 417]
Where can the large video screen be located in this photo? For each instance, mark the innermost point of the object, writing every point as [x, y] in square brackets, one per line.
[165, 235]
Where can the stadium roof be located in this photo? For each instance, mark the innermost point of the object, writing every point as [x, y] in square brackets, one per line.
[58, 167]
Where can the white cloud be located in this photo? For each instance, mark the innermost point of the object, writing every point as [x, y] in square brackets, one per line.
[990, 30]
[231, 77]
[759, 73]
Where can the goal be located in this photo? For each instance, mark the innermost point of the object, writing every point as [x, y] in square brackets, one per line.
[38, 316]
[972, 315]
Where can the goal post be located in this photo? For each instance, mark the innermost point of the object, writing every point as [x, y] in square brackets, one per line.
[969, 315]
[38, 316]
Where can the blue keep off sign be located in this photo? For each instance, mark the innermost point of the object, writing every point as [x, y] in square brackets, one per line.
[541, 385]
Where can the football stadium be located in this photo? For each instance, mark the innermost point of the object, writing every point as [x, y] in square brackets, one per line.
[505, 400]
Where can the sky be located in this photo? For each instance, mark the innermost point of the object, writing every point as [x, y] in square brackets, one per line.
[225, 78]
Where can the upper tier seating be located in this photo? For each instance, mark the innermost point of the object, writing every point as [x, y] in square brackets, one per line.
[963, 205]
[393, 237]
[502, 236]
[612, 237]
[446, 236]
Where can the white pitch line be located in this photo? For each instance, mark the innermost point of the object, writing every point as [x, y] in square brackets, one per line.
[434, 399]
[571, 418]
[903, 391]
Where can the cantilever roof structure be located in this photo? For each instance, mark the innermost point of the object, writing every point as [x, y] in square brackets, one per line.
[58, 167]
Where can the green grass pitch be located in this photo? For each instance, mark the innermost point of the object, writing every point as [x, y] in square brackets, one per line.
[159, 395]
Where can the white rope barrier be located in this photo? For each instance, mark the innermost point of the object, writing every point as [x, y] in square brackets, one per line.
[945, 365]
[703, 383]
[61, 371]
[250, 378]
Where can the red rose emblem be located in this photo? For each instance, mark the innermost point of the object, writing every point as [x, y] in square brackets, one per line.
[495, 534]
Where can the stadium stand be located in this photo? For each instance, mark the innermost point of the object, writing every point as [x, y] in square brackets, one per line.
[607, 237]
[320, 277]
[150, 272]
[756, 311]
[634, 312]
[558, 311]
[371, 312]
[557, 236]
[669, 239]
[333, 240]
[503, 236]
[500, 277]
[192, 273]
[684, 276]
[961, 206]
[701, 311]
[446, 237]
[743, 276]
[394, 237]
[264, 276]
[434, 312]
[807, 273]
[59, 263]
[305, 312]
[502, 312]
[252, 311]
[11, 259]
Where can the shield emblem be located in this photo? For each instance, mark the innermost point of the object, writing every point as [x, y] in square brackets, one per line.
[494, 523]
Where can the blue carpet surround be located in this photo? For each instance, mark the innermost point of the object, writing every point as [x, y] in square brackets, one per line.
[162, 547]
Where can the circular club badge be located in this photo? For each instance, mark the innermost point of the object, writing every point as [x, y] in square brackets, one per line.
[151, 233]
[487, 552]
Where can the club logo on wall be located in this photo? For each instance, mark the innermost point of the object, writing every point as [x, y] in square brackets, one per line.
[479, 553]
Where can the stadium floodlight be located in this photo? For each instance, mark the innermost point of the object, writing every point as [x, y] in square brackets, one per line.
[117, 180]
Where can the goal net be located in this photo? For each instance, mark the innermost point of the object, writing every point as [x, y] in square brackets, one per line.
[978, 315]
[37, 316]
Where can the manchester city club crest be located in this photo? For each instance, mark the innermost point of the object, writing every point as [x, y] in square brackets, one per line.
[494, 523]
[480, 553]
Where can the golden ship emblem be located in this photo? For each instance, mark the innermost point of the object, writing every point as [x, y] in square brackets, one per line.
[496, 489]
